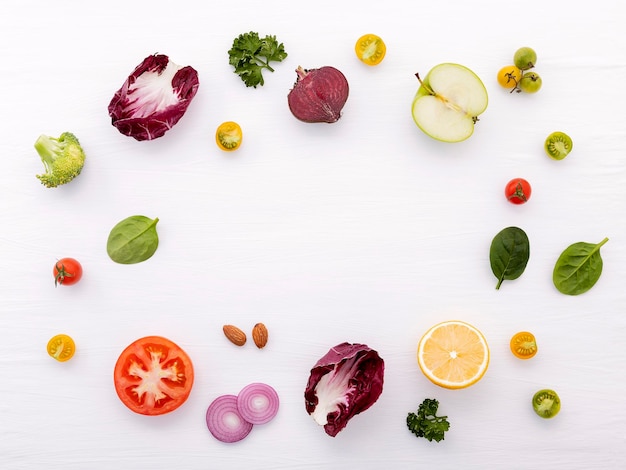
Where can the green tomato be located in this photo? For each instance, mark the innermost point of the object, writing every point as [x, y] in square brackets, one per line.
[558, 145]
[530, 82]
[546, 403]
[525, 58]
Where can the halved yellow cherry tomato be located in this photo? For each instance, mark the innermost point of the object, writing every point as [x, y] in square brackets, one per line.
[523, 345]
[370, 49]
[228, 136]
[61, 347]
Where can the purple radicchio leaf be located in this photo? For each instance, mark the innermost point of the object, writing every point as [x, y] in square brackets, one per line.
[153, 98]
[343, 383]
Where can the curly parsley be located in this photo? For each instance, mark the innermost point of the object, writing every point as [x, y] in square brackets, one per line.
[426, 423]
[250, 54]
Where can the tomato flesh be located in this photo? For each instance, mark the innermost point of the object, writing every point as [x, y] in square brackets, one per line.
[153, 376]
[523, 345]
[546, 403]
[228, 136]
[370, 49]
[61, 347]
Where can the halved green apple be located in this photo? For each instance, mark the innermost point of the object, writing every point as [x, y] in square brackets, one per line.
[448, 102]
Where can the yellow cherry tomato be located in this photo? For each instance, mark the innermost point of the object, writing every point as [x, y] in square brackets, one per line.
[228, 136]
[61, 347]
[509, 76]
[523, 345]
[370, 49]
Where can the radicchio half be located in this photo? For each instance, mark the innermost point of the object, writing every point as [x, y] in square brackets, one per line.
[153, 98]
[343, 383]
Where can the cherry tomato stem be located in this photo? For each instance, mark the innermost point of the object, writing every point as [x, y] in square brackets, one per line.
[67, 271]
[518, 191]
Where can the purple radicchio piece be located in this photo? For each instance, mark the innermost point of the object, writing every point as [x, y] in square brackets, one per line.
[153, 98]
[343, 383]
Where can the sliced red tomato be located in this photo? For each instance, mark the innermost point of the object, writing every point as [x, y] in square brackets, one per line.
[153, 376]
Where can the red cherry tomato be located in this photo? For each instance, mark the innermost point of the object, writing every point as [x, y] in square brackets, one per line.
[518, 191]
[67, 271]
[153, 376]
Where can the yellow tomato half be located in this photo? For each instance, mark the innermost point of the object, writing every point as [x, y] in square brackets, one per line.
[228, 136]
[523, 345]
[61, 347]
[370, 49]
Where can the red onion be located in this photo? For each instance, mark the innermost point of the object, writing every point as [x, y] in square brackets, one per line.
[257, 403]
[224, 420]
[318, 95]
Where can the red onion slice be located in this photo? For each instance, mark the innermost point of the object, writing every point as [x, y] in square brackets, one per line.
[257, 403]
[224, 420]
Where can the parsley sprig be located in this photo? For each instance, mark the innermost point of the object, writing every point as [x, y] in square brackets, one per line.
[250, 54]
[426, 423]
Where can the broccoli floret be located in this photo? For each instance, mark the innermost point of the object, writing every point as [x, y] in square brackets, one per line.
[63, 159]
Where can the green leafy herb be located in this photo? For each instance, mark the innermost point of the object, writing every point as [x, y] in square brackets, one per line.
[578, 268]
[425, 423]
[133, 240]
[250, 55]
[509, 253]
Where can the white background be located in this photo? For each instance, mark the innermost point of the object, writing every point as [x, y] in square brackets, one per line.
[365, 230]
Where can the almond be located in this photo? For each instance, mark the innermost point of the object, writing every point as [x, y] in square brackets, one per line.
[235, 335]
[259, 335]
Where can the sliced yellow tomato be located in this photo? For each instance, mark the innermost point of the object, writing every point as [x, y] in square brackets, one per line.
[523, 345]
[228, 136]
[370, 49]
[61, 347]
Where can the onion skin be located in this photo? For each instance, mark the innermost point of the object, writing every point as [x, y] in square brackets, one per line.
[318, 95]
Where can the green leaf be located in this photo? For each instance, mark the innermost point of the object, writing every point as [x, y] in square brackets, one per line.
[250, 54]
[133, 240]
[271, 50]
[509, 254]
[425, 423]
[578, 268]
[248, 42]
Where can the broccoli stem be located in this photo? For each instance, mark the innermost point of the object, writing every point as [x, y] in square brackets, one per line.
[48, 149]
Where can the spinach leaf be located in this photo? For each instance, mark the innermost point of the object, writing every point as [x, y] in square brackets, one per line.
[509, 253]
[133, 240]
[578, 268]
